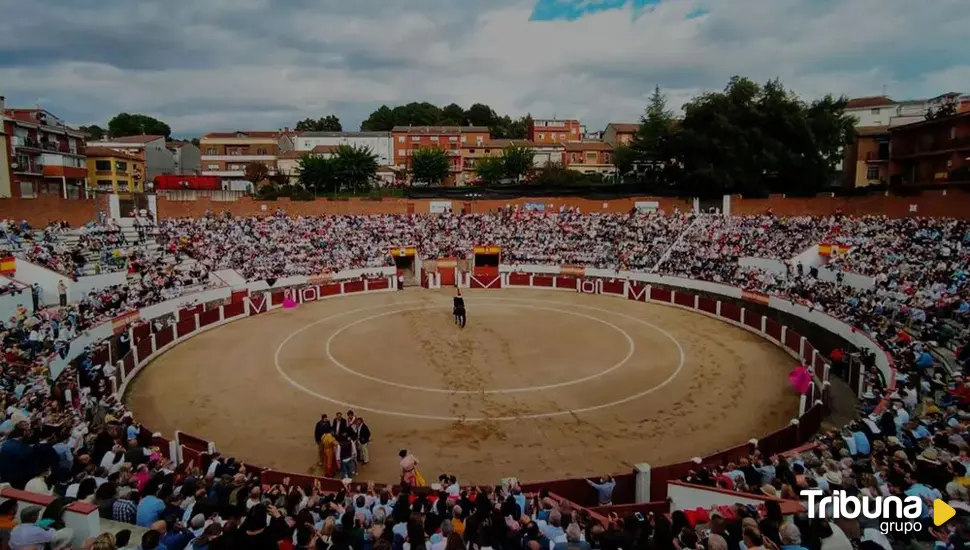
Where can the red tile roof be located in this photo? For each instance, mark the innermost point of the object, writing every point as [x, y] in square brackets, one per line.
[93, 152]
[624, 127]
[246, 134]
[874, 101]
[135, 139]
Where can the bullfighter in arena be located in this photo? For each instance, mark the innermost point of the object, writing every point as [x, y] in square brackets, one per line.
[459, 310]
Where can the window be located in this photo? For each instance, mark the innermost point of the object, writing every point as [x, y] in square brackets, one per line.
[471, 151]
[874, 111]
[105, 185]
[121, 166]
[123, 186]
[210, 151]
[572, 131]
[212, 166]
[27, 190]
[953, 132]
[400, 139]
[562, 136]
[415, 138]
[261, 151]
[542, 136]
[434, 138]
[236, 167]
[453, 138]
[487, 151]
[872, 173]
[102, 165]
[949, 164]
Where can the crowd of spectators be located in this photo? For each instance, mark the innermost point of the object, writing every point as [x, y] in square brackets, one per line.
[77, 443]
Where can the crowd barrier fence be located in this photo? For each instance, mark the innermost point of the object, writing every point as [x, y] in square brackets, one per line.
[195, 317]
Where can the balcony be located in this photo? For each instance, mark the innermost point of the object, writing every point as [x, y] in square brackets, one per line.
[29, 168]
[932, 147]
[877, 156]
[25, 143]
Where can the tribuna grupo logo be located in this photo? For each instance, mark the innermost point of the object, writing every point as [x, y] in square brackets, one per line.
[898, 515]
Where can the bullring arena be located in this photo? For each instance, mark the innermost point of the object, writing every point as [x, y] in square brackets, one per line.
[544, 384]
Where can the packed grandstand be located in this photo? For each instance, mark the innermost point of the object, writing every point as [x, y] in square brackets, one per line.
[71, 438]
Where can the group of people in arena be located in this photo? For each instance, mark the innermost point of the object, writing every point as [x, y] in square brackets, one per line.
[71, 439]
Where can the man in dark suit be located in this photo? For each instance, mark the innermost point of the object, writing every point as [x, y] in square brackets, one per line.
[459, 309]
[339, 424]
[361, 434]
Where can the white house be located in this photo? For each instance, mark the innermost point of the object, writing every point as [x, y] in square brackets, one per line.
[379, 142]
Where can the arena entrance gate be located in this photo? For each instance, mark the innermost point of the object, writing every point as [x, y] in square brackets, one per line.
[405, 260]
[485, 272]
[447, 268]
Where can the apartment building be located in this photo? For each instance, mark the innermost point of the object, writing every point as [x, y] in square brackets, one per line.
[42, 154]
[931, 151]
[866, 161]
[885, 111]
[186, 158]
[589, 157]
[226, 154]
[549, 131]
[455, 140]
[620, 133]
[380, 143]
[154, 149]
[115, 171]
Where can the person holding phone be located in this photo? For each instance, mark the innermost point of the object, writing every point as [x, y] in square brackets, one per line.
[604, 490]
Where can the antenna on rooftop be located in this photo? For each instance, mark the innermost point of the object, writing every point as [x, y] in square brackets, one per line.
[884, 90]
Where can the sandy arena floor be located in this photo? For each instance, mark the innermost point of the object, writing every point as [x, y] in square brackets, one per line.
[540, 384]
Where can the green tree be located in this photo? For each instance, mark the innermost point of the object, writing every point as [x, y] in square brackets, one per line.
[256, 172]
[480, 114]
[429, 165]
[125, 124]
[760, 139]
[93, 132]
[625, 159]
[518, 161]
[554, 174]
[318, 173]
[452, 115]
[381, 120]
[329, 123]
[355, 167]
[490, 170]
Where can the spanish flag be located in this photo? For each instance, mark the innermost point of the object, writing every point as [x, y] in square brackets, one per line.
[8, 265]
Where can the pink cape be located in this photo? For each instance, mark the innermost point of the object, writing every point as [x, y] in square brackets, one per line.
[800, 379]
[289, 303]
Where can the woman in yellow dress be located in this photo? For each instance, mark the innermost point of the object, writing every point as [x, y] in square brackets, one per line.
[328, 452]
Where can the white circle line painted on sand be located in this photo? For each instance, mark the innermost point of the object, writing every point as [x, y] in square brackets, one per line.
[644, 393]
[631, 349]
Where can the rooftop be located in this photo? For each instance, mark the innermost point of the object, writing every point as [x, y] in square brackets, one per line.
[872, 101]
[433, 130]
[243, 134]
[624, 127]
[133, 139]
[868, 131]
[345, 134]
[96, 151]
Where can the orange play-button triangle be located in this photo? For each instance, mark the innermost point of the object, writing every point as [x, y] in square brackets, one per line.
[942, 512]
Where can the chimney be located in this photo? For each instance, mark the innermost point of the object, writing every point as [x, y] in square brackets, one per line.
[3, 104]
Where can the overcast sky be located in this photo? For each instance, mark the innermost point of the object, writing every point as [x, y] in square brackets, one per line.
[207, 65]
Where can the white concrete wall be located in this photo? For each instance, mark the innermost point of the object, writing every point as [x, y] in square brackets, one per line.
[381, 145]
[30, 273]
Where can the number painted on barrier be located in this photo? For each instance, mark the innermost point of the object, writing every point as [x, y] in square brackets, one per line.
[585, 286]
